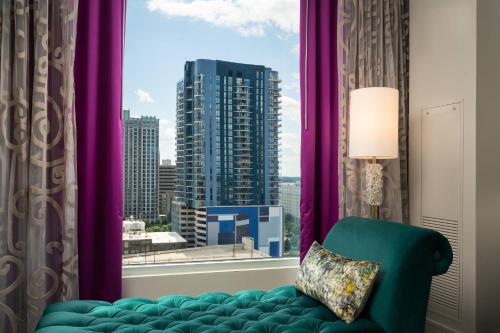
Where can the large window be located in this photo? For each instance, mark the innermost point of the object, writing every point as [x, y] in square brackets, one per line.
[211, 130]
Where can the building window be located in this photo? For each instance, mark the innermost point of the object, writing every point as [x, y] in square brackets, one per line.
[211, 134]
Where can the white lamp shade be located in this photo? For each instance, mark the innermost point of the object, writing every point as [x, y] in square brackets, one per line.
[373, 123]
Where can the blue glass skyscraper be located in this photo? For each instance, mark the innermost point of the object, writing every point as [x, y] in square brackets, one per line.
[227, 134]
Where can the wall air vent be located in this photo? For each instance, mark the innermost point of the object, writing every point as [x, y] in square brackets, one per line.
[441, 210]
[445, 290]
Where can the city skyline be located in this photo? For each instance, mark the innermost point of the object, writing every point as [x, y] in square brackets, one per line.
[160, 37]
[228, 117]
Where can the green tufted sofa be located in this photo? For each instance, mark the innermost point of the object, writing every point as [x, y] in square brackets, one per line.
[410, 256]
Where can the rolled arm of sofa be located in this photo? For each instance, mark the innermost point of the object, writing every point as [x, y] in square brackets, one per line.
[443, 254]
[409, 257]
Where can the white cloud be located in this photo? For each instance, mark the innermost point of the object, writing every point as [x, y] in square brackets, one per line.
[144, 96]
[248, 17]
[290, 154]
[292, 85]
[167, 140]
[296, 49]
[167, 150]
[290, 138]
[167, 130]
[289, 141]
[290, 109]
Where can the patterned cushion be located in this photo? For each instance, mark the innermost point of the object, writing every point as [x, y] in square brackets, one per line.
[282, 310]
[342, 284]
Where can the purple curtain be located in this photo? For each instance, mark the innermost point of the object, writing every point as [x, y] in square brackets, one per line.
[319, 203]
[98, 89]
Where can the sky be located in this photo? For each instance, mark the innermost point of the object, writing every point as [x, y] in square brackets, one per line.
[161, 35]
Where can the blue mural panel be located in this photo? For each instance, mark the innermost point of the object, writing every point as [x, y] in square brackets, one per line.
[226, 227]
[226, 238]
[274, 249]
[262, 223]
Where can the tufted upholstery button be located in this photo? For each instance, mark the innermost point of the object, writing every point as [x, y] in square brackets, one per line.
[282, 310]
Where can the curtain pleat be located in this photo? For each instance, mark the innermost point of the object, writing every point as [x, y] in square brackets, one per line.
[98, 81]
[319, 135]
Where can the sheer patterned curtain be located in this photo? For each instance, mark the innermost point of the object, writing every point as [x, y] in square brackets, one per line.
[38, 244]
[373, 51]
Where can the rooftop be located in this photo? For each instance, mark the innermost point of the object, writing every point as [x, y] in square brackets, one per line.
[156, 237]
[206, 253]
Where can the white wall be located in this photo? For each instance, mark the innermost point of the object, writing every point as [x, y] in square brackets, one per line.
[443, 71]
[488, 166]
[455, 55]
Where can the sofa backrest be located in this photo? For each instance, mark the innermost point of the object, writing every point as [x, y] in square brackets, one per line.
[409, 255]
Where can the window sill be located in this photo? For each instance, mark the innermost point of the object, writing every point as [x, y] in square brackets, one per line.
[133, 271]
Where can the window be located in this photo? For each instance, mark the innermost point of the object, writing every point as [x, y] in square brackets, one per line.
[212, 131]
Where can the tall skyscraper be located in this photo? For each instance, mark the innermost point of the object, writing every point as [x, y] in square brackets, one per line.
[227, 137]
[227, 134]
[141, 161]
[167, 181]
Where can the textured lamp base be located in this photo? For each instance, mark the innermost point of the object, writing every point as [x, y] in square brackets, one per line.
[373, 193]
[374, 212]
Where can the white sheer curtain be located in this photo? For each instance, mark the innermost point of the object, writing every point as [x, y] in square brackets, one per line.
[38, 244]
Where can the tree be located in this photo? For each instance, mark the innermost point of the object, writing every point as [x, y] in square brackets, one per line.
[158, 227]
[292, 231]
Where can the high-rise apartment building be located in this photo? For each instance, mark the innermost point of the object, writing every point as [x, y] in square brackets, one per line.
[167, 180]
[141, 159]
[227, 135]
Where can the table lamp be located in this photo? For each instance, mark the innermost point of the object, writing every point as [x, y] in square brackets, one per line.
[373, 135]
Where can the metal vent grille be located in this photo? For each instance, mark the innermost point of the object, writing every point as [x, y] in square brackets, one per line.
[446, 288]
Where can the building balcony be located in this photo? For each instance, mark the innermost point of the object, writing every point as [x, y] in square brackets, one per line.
[241, 129]
[241, 143]
[241, 122]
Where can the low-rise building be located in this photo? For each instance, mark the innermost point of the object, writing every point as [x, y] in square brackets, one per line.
[137, 241]
[222, 225]
[167, 180]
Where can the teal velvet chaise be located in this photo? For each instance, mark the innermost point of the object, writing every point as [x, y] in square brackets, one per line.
[409, 255]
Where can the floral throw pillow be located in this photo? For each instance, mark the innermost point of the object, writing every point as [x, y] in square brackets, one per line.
[342, 284]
